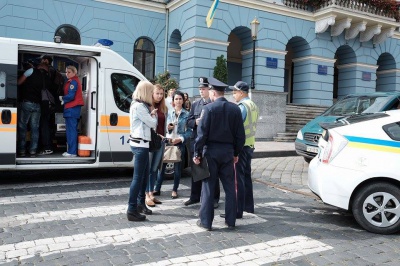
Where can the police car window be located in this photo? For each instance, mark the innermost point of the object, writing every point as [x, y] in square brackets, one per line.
[393, 130]
[123, 86]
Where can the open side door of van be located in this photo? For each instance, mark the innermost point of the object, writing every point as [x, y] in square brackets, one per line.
[8, 104]
[119, 86]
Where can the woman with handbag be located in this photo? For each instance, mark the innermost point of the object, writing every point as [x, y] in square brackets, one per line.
[142, 119]
[178, 134]
[156, 156]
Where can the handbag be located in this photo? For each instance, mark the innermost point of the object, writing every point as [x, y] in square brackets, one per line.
[155, 142]
[172, 154]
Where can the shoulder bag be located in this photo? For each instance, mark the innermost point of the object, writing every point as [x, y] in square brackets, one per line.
[172, 154]
[155, 142]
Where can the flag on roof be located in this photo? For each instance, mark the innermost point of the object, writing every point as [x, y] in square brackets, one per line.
[211, 13]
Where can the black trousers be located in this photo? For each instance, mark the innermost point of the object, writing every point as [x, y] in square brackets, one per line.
[195, 190]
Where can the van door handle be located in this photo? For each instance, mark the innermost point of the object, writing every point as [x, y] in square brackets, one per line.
[92, 100]
[113, 119]
[6, 116]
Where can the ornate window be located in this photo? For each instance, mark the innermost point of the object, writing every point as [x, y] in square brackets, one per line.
[68, 34]
[144, 57]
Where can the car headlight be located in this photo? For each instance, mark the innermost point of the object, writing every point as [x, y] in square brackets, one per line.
[299, 135]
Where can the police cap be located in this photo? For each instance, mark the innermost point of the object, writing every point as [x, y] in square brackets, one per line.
[203, 82]
[217, 85]
[239, 86]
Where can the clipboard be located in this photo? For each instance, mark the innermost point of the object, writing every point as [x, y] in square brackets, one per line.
[200, 171]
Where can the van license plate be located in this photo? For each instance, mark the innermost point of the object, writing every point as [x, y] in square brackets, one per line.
[312, 149]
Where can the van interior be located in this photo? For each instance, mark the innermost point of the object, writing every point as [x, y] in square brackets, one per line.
[88, 76]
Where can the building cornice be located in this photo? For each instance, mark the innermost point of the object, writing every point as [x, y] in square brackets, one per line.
[373, 67]
[191, 40]
[173, 50]
[317, 58]
[262, 50]
[175, 4]
[389, 71]
[139, 4]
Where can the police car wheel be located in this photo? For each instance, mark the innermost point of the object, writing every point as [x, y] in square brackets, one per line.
[376, 207]
[169, 170]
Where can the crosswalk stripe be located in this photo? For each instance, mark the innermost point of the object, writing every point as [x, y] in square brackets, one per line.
[74, 195]
[48, 246]
[257, 254]
[101, 211]
[62, 183]
[81, 213]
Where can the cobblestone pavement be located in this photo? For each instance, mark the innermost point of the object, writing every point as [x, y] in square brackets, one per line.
[81, 221]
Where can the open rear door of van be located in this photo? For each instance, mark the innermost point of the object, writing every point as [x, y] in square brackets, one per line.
[8, 103]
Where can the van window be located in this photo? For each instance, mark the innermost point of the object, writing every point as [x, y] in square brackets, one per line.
[123, 86]
[2, 85]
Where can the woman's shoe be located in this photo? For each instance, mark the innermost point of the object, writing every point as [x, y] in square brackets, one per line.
[156, 201]
[135, 216]
[150, 202]
[174, 195]
[143, 209]
[156, 193]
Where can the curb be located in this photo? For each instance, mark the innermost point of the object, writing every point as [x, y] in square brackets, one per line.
[266, 154]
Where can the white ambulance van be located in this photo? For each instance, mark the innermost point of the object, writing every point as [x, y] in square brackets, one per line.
[108, 81]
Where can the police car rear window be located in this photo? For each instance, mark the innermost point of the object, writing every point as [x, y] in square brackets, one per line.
[393, 130]
[353, 119]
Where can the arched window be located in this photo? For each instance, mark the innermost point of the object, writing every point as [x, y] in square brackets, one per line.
[144, 57]
[68, 34]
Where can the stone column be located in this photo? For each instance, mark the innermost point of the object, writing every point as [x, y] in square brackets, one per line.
[313, 80]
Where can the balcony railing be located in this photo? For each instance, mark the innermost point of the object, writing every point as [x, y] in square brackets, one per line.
[384, 8]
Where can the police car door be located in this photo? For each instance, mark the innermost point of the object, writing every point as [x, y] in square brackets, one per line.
[8, 103]
[119, 86]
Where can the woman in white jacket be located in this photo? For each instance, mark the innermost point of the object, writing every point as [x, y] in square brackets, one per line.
[142, 117]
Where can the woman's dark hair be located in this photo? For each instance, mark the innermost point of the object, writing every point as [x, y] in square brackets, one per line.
[178, 93]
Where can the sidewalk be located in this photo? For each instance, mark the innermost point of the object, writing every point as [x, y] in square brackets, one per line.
[265, 149]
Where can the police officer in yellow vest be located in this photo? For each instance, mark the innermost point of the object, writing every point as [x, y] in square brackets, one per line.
[245, 200]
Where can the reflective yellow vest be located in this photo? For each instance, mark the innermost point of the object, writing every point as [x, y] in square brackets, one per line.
[250, 123]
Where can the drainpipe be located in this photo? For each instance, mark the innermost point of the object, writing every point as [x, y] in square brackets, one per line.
[166, 39]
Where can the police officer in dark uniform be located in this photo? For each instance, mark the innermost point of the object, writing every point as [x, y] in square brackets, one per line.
[220, 138]
[192, 122]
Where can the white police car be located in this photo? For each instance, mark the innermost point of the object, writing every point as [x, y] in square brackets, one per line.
[358, 169]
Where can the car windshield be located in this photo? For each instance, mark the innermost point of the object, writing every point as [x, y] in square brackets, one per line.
[358, 105]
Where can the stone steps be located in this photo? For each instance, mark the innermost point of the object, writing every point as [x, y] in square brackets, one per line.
[296, 117]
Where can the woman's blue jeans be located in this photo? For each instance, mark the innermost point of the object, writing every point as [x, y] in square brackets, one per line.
[155, 159]
[177, 171]
[140, 175]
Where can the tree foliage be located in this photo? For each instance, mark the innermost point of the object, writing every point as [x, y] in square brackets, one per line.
[165, 80]
[221, 69]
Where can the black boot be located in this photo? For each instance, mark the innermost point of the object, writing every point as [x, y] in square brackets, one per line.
[142, 208]
[135, 216]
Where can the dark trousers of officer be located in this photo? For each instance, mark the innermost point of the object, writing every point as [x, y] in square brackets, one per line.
[195, 190]
[220, 164]
[245, 200]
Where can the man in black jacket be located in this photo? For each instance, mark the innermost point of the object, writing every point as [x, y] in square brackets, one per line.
[192, 122]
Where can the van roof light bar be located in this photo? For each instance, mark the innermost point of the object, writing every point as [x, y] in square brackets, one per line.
[104, 43]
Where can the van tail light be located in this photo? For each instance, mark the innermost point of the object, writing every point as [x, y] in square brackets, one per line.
[333, 147]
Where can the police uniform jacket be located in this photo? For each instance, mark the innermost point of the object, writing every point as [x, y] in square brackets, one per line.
[195, 113]
[221, 125]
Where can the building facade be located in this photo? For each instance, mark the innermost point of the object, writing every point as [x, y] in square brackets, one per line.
[303, 54]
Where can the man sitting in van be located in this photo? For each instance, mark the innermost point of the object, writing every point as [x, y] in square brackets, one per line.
[29, 109]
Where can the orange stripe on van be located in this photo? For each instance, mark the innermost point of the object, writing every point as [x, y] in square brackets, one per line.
[13, 119]
[114, 131]
[123, 121]
[8, 129]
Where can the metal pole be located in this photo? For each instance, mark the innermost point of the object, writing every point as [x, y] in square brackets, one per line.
[252, 70]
